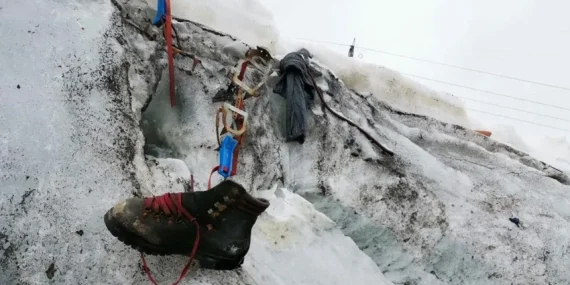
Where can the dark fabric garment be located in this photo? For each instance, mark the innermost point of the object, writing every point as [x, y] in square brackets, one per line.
[295, 86]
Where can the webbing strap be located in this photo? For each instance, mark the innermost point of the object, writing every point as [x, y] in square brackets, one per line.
[242, 70]
[239, 122]
[210, 179]
[168, 34]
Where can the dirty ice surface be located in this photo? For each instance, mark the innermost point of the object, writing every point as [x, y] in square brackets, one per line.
[72, 146]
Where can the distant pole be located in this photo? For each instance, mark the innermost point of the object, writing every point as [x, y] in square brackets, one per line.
[351, 50]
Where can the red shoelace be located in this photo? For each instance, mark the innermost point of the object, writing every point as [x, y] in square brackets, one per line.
[171, 204]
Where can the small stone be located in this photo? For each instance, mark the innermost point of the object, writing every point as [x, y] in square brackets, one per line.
[282, 236]
[515, 221]
[6, 245]
[50, 272]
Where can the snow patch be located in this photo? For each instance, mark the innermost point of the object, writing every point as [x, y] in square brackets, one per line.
[293, 243]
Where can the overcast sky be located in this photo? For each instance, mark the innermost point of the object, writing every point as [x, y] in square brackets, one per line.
[524, 39]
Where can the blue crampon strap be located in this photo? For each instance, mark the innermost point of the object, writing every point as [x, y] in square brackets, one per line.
[160, 17]
[227, 148]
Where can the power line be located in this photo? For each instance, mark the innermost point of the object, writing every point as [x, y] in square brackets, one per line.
[485, 91]
[481, 90]
[520, 110]
[463, 86]
[520, 120]
[448, 65]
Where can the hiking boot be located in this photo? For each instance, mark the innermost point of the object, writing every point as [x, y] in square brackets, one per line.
[215, 225]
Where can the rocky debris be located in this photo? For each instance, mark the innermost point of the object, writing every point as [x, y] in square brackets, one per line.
[50, 272]
[515, 221]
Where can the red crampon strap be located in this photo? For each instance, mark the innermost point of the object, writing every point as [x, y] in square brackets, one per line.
[210, 179]
[174, 206]
[239, 123]
[236, 150]
[168, 34]
[242, 70]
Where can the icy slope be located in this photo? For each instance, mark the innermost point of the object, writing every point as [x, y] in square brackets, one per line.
[437, 213]
[71, 147]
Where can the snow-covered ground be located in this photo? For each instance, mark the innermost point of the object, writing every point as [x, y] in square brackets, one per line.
[75, 140]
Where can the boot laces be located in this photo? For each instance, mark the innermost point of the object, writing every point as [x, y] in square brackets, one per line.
[171, 204]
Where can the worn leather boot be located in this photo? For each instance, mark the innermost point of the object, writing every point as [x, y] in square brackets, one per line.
[213, 225]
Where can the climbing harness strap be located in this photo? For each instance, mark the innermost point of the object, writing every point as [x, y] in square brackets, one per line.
[210, 179]
[164, 17]
[170, 52]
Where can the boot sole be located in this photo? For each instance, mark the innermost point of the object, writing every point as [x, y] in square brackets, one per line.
[135, 242]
